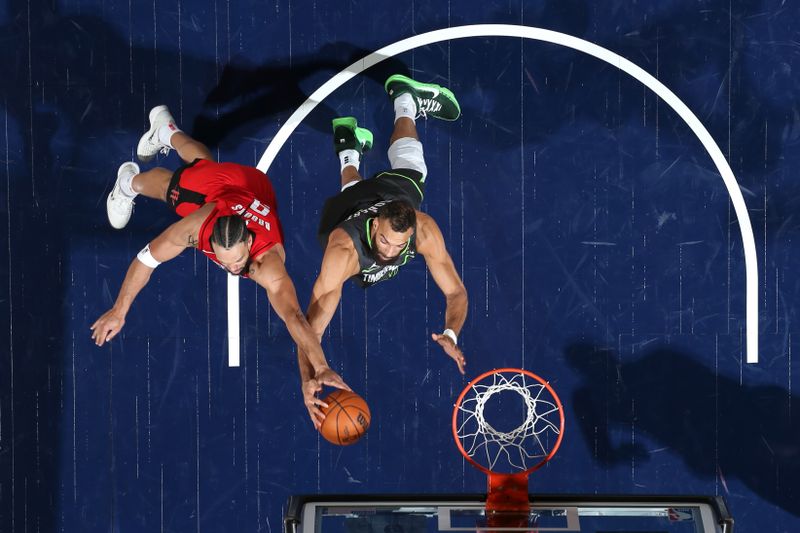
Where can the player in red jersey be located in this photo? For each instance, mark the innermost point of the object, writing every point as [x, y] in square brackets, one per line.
[228, 213]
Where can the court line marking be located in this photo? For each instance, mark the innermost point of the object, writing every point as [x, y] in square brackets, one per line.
[539, 34]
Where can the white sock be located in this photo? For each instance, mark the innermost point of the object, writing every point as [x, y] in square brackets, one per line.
[405, 106]
[166, 132]
[349, 158]
[126, 185]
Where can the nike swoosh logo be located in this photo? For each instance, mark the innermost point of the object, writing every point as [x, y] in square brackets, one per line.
[435, 93]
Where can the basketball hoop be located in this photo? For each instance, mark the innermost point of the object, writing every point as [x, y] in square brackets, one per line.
[508, 454]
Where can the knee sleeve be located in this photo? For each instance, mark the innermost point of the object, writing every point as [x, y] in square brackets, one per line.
[407, 153]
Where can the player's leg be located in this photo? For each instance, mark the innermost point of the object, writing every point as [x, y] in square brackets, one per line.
[404, 127]
[131, 183]
[165, 135]
[152, 183]
[350, 176]
[413, 99]
[350, 143]
[189, 148]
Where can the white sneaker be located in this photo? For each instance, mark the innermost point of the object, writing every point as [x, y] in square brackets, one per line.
[119, 206]
[149, 145]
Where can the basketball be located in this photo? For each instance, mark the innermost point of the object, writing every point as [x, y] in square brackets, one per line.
[346, 418]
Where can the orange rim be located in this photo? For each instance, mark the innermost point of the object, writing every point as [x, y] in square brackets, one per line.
[516, 371]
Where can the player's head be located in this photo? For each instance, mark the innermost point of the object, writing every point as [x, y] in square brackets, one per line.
[230, 242]
[391, 230]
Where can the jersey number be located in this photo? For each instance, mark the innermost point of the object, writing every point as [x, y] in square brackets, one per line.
[259, 208]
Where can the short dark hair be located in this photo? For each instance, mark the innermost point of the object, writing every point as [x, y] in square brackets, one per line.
[400, 213]
[229, 231]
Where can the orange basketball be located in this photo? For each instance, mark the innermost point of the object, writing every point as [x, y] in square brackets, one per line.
[346, 418]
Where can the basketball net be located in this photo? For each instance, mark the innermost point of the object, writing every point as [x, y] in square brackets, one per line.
[508, 456]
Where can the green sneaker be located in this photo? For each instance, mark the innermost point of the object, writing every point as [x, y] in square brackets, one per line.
[432, 100]
[348, 136]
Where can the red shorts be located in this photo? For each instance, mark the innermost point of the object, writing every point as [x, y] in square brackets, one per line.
[203, 181]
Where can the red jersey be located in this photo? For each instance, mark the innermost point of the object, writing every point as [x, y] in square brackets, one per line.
[235, 190]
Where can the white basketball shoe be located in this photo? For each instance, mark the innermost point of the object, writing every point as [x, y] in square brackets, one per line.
[119, 205]
[150, 144]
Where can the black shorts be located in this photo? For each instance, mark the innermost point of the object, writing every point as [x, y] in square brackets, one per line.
[177, 194]
[396, 184]
[202, 181]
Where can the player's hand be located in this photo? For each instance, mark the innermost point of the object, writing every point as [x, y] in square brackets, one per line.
[326, 376]
[451, 349]
[311, 389]
[107, 326]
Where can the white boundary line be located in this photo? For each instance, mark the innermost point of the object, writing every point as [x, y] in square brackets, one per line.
[234, 339]
[539, 34]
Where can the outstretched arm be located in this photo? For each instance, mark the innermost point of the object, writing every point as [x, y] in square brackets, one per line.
[166, 246]
[430, 243]
[338, 264]
[270, 272]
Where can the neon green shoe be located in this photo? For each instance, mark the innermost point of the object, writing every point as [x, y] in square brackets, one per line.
[432, 100]
[348, 136]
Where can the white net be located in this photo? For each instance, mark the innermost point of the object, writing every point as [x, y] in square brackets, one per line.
[517, 449]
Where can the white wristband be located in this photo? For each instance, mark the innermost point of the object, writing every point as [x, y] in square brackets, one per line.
[147, 258]
[452, 334]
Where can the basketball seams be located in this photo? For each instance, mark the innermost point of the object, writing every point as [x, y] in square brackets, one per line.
[362, 411]
[355, 425]
[338, 407]
[339, 440]
[336, 413]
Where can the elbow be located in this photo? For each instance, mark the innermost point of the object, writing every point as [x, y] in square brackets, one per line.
[459, 294]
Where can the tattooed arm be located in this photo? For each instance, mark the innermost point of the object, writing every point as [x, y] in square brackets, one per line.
[166, 246]
[269, 271]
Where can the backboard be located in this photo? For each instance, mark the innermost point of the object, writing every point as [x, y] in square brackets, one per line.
[557, 512]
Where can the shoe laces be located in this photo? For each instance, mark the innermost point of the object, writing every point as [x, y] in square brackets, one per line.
[122, 202]
[426, 105]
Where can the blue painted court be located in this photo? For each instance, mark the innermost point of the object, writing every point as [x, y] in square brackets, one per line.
[596, 237]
